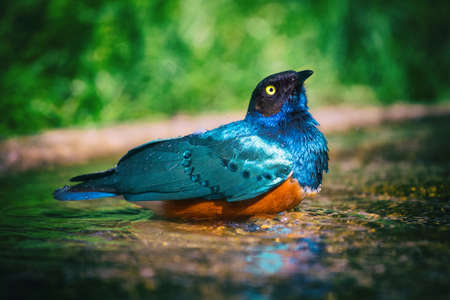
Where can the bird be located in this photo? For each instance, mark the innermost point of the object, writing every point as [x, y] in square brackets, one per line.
[264, 164]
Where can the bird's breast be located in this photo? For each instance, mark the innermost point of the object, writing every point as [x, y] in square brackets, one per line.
[284, 197]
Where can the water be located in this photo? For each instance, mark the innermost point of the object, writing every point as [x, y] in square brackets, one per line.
[379, 229]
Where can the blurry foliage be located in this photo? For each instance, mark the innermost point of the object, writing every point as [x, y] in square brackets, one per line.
[75, 62]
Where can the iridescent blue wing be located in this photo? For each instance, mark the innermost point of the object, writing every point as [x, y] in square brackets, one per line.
[226, 163]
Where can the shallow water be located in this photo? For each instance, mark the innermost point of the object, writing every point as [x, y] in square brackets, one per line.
[379, 229]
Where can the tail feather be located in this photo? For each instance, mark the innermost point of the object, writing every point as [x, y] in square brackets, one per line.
[94, 185]
[91, 176]
[67, 194]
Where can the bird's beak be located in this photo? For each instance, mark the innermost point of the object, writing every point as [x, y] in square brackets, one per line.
[303, 75]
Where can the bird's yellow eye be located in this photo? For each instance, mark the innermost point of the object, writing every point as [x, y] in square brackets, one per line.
[270, 90]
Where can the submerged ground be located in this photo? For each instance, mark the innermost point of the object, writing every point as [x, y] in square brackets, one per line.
[379, 229]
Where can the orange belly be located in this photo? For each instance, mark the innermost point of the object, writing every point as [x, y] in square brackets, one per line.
[284, 197]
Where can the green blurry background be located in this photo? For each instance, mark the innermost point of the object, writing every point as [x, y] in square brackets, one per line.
[66, 63]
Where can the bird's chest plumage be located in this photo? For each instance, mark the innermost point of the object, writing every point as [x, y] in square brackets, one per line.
[309, 155]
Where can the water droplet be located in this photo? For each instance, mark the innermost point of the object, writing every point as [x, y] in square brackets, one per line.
[215, 189]
[246, 174]
[233, 167]
[204, 183]
[188, 170]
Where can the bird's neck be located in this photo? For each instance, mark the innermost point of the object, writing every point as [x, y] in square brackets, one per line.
[297, 132]
[288, 121]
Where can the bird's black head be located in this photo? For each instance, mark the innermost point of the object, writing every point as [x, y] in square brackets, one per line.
[273, 91]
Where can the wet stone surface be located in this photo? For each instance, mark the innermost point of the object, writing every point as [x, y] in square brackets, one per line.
[380, 229]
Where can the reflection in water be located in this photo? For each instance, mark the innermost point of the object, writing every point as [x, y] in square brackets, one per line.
[266, 262]
[379, 230]
[257, 248]
[283, 257]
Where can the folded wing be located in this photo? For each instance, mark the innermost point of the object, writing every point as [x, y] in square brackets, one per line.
[218, 164]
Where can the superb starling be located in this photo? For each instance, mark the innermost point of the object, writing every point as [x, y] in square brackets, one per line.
[263, 164]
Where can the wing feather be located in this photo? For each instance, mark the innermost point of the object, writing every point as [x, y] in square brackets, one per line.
[214, 165]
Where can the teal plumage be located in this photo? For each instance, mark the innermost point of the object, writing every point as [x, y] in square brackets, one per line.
[238, 161]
